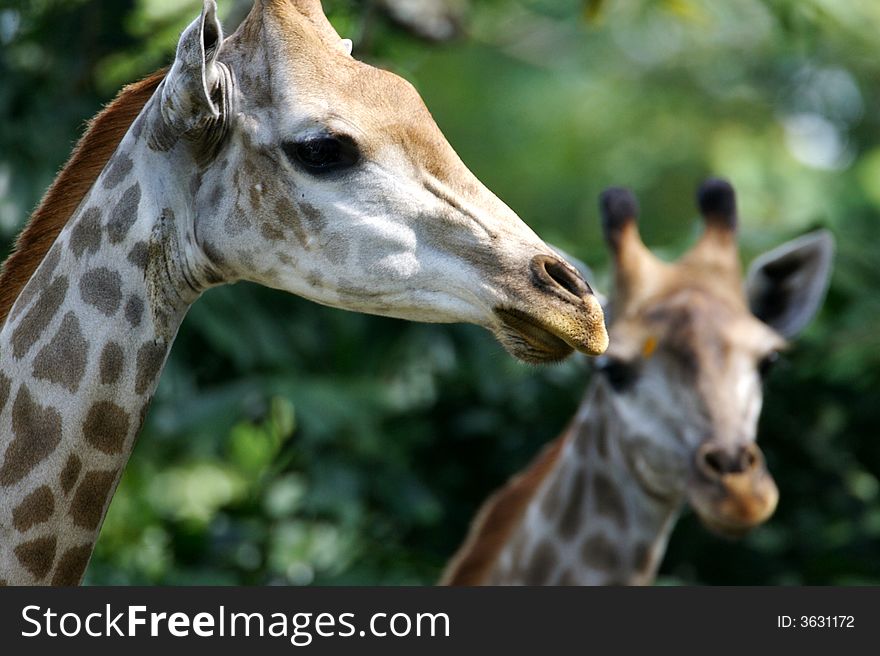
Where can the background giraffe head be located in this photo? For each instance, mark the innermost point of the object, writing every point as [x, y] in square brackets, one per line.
[690, 343]
[326, 177]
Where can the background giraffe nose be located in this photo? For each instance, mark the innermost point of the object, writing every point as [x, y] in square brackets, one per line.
[553, 274]
[715, 461]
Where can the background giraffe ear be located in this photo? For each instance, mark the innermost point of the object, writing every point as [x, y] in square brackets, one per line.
[189, 91]
[786, 286]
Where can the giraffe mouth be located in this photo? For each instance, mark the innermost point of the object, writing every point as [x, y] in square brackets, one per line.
[528, 339]
[552, 336]
[739, 504]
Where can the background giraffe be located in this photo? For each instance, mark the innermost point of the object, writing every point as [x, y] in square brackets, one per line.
[670, 417]
[272, 156]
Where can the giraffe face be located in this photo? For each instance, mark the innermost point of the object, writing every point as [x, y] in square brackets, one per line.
[332, 181]
[690, 344]
[686, 370]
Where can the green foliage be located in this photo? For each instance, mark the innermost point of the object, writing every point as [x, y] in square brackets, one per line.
[291, 443]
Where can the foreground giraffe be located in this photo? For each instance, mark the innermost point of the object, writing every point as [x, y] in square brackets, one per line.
[670, 417]
[271, 156]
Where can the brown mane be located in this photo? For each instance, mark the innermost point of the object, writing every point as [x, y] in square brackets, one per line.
[497, 519]
[89, 157]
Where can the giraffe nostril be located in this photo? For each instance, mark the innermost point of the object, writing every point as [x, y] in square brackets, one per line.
[716, 461]
[750, 459]
[553, 273]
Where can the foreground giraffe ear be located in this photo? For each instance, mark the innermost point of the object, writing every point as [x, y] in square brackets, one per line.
[786, 286]
[189, 91]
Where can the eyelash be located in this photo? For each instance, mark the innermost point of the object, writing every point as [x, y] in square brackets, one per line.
[323, 154]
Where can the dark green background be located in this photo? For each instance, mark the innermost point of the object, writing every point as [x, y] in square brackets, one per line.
[291, 443]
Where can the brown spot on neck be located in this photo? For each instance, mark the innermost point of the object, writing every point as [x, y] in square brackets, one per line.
[106, 427]
[87, 506]
[37, 555]
[102, 289]
[38, 282]
[70, 473]
[4, 390]
[36, 508]
[566, 578]
[608, 499]
[37, 434]
[124, 214]
[150, 358]
[32, 325]
[599, 553]
[643, 559]
[553, 497]
[541, 565]
[86, 234]
[139, 255]
[600, 435]
[118, 168]
[571, 519]
[111, 363]
[63, 359]
[134, 310]
[72, 565]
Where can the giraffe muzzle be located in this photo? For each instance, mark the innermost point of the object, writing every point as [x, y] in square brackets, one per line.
[559, 315]
[732, 492]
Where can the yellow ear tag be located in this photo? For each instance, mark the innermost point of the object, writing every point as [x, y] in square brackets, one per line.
[649, 347]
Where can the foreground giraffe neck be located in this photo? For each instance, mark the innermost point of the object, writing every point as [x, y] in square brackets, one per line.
[590, 521]
[80, 354]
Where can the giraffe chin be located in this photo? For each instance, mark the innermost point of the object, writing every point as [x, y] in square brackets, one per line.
[528, 339]
[724, 529]
[539, 341]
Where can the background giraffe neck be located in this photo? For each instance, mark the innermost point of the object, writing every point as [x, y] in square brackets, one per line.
[80, 356]
[590, 522]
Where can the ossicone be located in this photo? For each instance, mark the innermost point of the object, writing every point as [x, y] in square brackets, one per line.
[716, 200]
[618, 208]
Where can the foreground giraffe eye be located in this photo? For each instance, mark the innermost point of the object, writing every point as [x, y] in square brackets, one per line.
[323, 154]
[620, 374]
[765, 366]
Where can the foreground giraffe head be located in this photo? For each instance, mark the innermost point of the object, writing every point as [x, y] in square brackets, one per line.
[690, 343]
[326, 177]
[270, 156]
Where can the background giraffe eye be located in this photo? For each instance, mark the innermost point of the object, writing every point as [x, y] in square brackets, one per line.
[765, 366]
[323, 154]
[621, 375]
